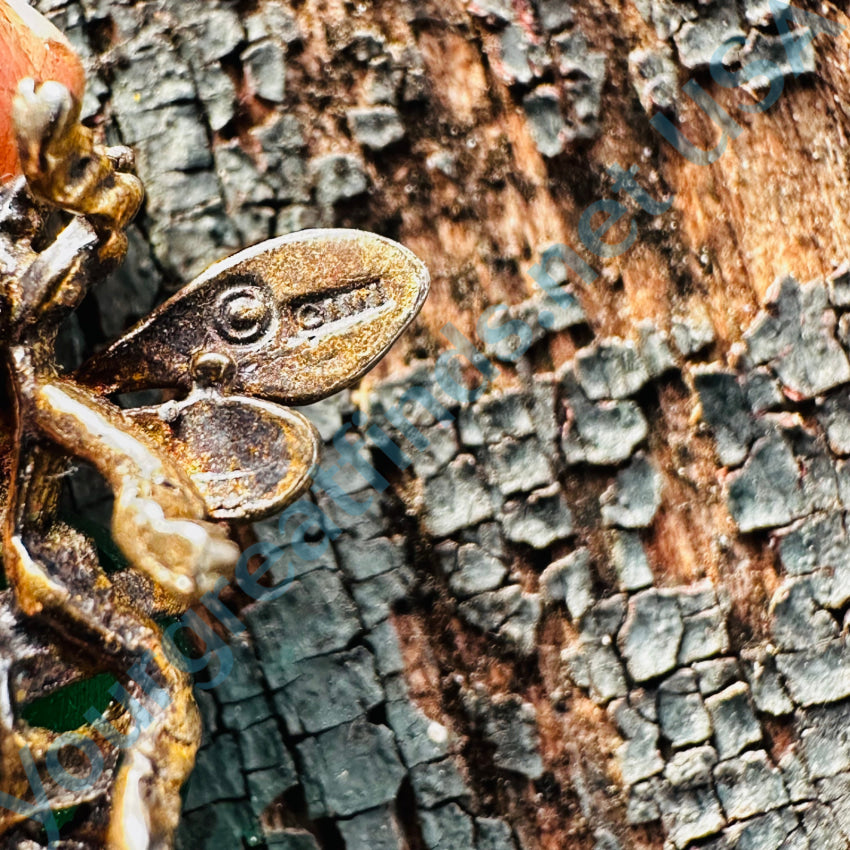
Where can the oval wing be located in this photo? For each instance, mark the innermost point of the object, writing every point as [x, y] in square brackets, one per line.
[301, 317]
[246, 458]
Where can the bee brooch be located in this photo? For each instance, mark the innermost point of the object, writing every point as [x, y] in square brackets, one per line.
[287, 322]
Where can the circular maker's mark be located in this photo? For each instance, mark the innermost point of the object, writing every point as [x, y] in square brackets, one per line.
[244, 311]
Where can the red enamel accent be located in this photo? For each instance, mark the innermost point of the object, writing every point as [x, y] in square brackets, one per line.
[24, 52]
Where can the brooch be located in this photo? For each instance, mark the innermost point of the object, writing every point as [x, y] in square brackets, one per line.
[287, 322]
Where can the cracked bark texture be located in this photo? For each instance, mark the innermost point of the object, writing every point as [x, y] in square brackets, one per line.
[604, 606]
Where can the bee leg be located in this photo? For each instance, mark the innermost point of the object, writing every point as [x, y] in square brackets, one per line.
[59, 276]
[62, 163]
[158, 517]
[56, 579]
[32, 666]
[160, 737]
[64, 168]
[54, 569]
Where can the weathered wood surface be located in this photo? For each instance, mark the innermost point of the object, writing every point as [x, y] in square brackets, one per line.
[605, 607]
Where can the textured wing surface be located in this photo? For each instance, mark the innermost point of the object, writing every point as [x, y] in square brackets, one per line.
[246, 458]
[300, 317]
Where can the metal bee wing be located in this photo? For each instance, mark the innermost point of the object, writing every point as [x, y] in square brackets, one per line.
[247, 458]
[300, 317]
[291, 320]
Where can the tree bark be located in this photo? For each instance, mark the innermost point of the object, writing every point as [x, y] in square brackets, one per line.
[604, 606]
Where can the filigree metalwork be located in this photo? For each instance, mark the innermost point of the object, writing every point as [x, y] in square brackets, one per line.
[284, 323]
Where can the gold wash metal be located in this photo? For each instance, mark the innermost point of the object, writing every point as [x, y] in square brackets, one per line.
[287, 322]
